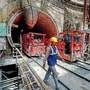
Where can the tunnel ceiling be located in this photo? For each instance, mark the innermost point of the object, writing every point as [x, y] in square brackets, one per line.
[78, 1]
[43, 25]
[74, 4]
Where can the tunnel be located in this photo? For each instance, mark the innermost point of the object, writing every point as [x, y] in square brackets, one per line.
[44, 25]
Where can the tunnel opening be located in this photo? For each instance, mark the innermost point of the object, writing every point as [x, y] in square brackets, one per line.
[22, 29]
[44, 25]
[9, 71]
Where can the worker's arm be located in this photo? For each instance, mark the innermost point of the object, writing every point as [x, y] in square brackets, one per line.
[46, 56]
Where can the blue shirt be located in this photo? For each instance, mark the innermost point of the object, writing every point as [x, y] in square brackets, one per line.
[67, 37]
[52, 58]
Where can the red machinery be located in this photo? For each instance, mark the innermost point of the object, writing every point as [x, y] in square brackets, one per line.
[33, 44]
[87, 45]
[70, 44]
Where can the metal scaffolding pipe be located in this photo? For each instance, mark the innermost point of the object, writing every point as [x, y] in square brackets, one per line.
[85, 13]
[0, 78]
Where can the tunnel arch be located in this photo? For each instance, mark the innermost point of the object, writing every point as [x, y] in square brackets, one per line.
[44, 24]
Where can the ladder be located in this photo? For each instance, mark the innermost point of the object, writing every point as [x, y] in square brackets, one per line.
[14, 51]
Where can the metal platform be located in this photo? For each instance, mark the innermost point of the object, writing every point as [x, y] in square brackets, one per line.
[7, 60]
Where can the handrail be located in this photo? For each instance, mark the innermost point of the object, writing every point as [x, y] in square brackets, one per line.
[32, 70]
[9, 84]
[10, 80]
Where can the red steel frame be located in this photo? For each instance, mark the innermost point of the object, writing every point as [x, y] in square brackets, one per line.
[74, 47]
[33, 44]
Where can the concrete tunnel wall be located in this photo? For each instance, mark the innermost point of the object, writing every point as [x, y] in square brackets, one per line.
[44, 25]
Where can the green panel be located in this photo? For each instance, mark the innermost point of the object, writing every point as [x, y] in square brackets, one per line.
[3, 29]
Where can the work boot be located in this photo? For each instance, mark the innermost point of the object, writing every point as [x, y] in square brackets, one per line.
[57, 88]
[46, 82]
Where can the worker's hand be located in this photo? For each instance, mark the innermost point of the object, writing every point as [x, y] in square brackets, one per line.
[43, 66]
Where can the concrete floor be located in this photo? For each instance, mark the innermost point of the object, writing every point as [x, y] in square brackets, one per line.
[70, 80]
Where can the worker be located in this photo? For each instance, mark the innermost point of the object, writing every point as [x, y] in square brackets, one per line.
[51, 58]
